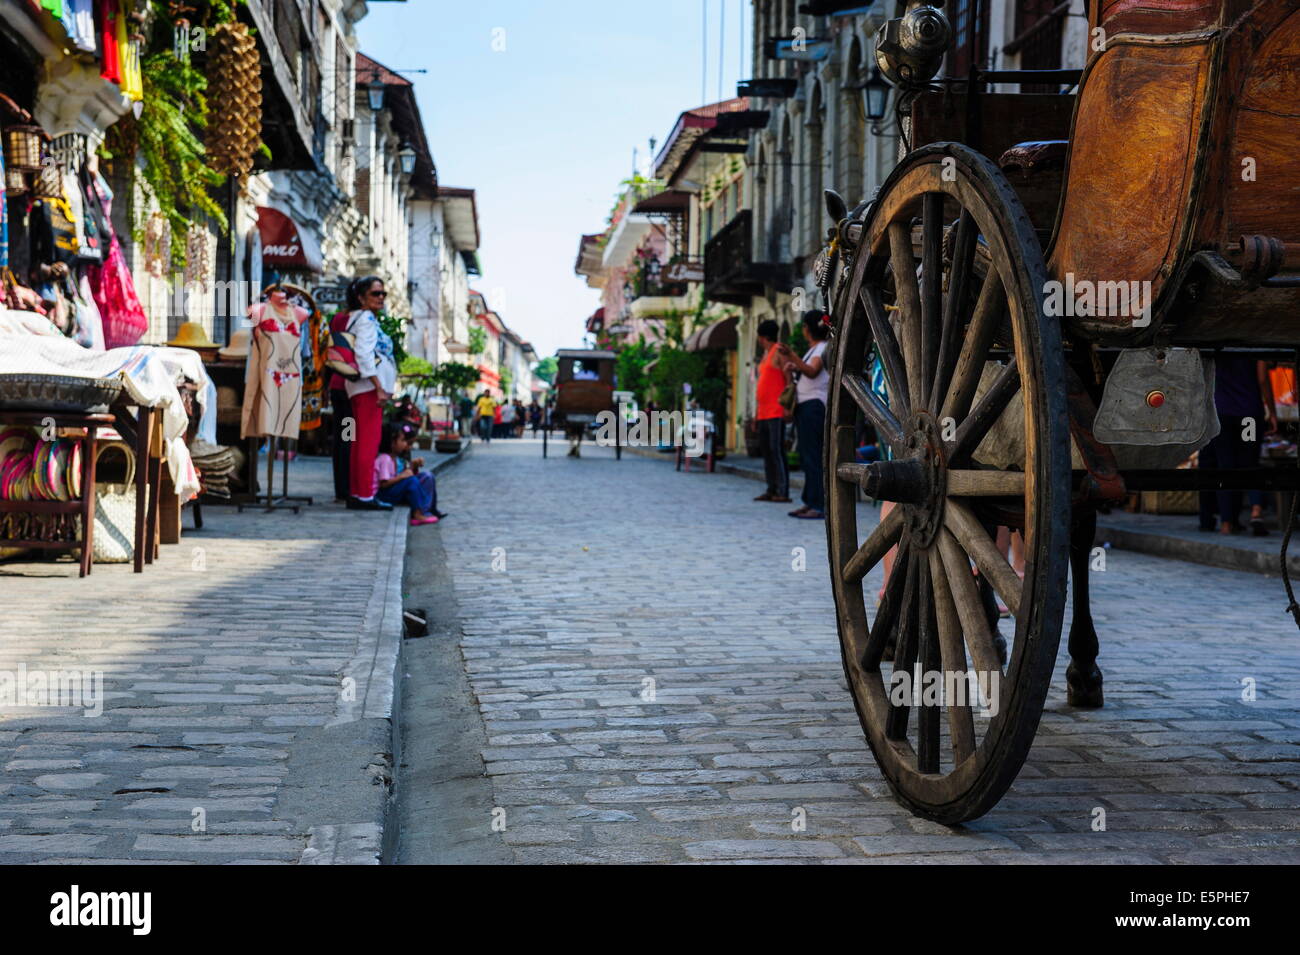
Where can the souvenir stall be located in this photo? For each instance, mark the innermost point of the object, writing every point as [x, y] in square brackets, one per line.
[93, 427]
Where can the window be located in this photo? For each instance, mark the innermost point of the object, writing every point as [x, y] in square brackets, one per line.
[964, 52]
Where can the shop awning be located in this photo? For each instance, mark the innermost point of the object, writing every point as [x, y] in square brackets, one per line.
[286, 247]
[721, 334]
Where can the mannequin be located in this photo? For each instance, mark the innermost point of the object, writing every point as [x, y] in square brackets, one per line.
[273, 375]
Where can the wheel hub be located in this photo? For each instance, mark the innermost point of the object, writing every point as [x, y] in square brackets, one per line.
[915, 480]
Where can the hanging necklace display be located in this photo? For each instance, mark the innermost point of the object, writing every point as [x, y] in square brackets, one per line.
[157, 245]
[198, 258]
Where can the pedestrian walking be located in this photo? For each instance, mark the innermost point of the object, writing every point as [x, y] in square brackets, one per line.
[399, 481]
[1243, 399]
[772, 379]
[465, 415]
[535, 416]
[376, 381]
[507, 419]
[487, 409]
[811, 391]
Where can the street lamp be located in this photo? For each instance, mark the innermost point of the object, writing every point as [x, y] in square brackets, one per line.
[875, 95]
[406, 156]
[375, 94]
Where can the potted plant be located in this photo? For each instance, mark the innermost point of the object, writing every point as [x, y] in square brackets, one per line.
[450, 379]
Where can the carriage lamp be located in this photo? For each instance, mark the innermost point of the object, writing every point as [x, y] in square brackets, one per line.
[406, 156]
[875, 94]
[1155, 399]
[375, 95]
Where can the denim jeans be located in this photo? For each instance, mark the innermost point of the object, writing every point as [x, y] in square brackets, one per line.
[418, 492]
[810, 421]
[771, 442]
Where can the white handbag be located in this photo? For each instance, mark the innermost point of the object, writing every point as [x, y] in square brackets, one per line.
[114, 541]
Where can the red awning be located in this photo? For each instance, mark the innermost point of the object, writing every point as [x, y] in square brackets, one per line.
[284, 245]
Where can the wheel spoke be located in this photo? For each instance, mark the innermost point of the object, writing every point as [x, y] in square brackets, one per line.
[891, 359]
[961, 723]
[907, 297]
[875, 547]
[954, 310]
[931, 292]
[966, 597]
[975, 348]
[928, 655]
[887, 613]
[886, 425]
[985, 413]
[975, 541]
[905, 652]
[986, 483]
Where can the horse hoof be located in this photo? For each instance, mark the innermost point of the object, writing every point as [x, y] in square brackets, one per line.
[1083, 691]
[1000, 644]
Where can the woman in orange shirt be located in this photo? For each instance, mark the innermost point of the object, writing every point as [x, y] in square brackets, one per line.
[772, 379]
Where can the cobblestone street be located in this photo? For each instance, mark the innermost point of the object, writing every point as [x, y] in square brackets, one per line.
[617, 577]
[226, 734]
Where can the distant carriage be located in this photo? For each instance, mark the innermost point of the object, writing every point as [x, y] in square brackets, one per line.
[584, 387]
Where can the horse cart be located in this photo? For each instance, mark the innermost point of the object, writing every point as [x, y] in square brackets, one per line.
[1046, 280]
[584, 387]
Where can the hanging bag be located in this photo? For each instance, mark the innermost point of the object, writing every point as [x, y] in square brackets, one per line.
[341, 355]
[113, 288]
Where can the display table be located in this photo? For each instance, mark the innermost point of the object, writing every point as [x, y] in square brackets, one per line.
[73, 425]
[143, 430]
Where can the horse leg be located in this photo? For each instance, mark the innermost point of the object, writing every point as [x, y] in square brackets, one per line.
[1082, 677]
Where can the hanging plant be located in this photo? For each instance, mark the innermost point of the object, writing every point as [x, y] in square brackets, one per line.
[175, 171]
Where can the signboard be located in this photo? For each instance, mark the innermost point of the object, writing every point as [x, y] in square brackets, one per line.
[688, 271]
[329, 295]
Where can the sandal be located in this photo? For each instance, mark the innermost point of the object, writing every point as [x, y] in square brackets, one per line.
[811, 515]
[765, 496]
[429, 519]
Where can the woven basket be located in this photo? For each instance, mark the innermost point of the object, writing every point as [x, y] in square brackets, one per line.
[23, 147]
[114, 541]
[58, 393]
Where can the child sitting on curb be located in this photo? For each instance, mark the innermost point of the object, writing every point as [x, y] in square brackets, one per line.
[399, 481]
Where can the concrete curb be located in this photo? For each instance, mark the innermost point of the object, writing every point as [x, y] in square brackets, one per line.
[1211, 553]
[373, 696]
[723, 467]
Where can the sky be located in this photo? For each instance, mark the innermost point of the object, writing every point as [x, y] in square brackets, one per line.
[538, 107]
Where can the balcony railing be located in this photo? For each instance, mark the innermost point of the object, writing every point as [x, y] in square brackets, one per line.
[730, 272]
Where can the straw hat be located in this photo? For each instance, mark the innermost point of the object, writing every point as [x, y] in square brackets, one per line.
[192, 335]
[239, 344]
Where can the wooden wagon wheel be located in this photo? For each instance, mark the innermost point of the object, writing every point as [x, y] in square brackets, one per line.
[961, 335]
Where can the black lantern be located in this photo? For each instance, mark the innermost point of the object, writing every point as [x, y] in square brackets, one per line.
[875, 95]
[406, 156]
[375, 94]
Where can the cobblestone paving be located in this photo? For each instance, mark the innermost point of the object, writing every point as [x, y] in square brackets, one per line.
[620, 572]
[216, 662]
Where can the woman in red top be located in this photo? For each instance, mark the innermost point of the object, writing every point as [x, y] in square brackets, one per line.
[772, 379]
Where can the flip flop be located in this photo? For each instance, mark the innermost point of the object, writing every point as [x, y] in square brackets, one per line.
[417, 521]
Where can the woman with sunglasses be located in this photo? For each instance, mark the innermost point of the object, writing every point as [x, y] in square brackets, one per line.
[367, 394]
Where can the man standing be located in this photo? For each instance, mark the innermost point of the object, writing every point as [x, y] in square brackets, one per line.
[772, 379]
[487, 412]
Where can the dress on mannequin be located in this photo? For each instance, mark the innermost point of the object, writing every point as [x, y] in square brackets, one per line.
[273, 376]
